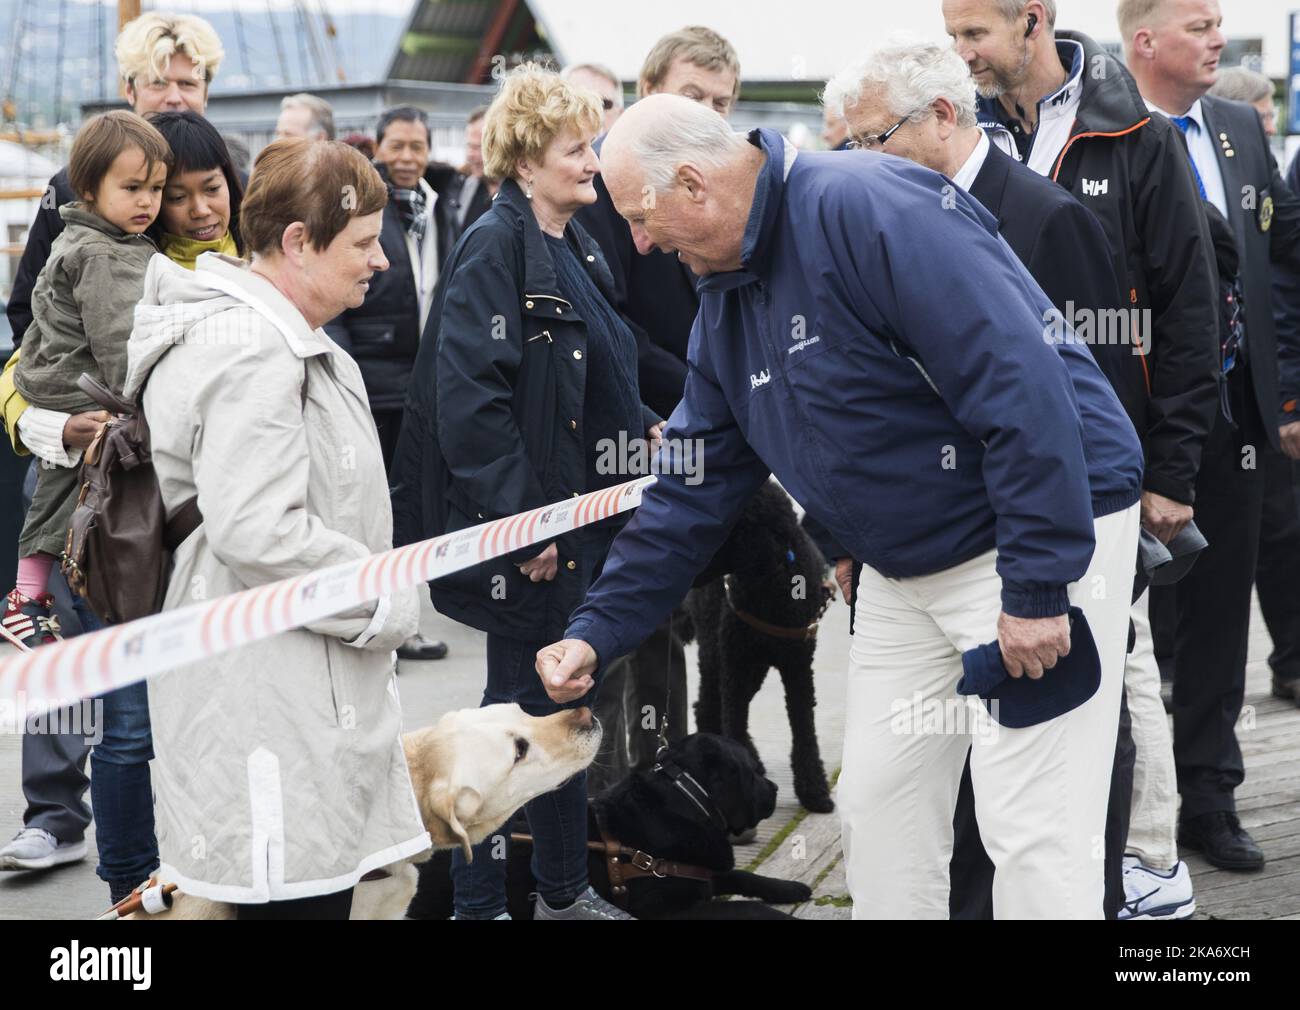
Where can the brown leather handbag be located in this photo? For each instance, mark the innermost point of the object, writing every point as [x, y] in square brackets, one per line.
[118, 551]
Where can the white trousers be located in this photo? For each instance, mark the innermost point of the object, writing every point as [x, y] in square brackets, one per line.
[1153, 820]
[1040, 792]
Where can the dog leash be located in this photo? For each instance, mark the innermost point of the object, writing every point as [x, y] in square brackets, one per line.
[150, 897]
[624, 863]
[690, 788]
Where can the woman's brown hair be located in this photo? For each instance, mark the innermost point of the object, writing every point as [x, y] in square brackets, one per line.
[322, 183]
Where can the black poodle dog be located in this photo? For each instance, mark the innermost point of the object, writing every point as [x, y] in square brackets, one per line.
[703, 789]
[752, 610]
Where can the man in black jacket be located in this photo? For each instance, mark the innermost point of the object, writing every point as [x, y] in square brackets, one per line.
[1059, 103]
[656, 294]
[466, 192]
[383, 333]
[1085, 126]
[1173, 47]
[654, 289]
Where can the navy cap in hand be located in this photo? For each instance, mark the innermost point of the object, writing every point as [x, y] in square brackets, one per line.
[1017, 702]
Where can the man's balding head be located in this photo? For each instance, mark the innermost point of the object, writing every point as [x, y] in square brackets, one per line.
[683, 180]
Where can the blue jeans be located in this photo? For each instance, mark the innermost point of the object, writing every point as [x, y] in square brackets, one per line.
[557, 820]
[121, 793]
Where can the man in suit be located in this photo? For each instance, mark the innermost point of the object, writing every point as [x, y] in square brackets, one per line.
[463, 189]
[476, 193]
[655, 291]
[1279, 534]
[918, 101]
[1173, 49]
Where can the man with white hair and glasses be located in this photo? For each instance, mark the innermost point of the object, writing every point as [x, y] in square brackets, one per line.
[917, 100]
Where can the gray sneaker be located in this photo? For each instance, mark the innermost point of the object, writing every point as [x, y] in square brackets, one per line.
[37, 849]
[588, 905]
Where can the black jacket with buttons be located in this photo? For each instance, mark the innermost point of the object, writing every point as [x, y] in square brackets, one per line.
[383, 333]
[493, 422]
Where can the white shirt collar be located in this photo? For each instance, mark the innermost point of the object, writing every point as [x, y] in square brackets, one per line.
[1196, 114]
[965, 176]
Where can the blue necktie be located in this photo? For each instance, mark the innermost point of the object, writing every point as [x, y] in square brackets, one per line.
[1185, 123]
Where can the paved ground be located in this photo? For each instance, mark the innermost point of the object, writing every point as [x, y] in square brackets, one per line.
[809, 847]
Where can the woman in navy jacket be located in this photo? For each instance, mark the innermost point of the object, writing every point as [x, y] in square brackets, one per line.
[524, 373]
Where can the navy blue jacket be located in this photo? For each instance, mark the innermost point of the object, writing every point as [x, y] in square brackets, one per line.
[883, 353]
[494, 418]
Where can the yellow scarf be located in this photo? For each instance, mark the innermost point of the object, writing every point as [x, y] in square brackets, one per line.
[185, 251]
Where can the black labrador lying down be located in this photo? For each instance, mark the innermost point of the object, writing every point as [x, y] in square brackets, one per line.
[671, 826]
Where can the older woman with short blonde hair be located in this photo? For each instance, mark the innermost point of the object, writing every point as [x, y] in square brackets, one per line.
[526, 377]
[279, 776]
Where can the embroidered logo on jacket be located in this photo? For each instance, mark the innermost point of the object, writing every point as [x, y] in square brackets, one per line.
[761, 379]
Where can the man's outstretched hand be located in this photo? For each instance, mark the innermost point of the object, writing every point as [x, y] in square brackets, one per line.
[567, 669]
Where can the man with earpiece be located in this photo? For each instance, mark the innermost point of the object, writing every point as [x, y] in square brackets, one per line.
[1059, 103]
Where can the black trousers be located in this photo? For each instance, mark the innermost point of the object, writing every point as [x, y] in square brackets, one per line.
[1278, 569]
[323, 906]
[388, 423]
[1212, 605]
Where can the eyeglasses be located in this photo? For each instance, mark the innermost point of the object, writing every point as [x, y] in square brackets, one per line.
[874, 143]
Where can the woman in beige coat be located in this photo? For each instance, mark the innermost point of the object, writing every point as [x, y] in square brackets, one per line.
[279, 775]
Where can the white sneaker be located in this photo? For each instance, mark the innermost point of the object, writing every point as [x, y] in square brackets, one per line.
[1156, 894]
[37, 849]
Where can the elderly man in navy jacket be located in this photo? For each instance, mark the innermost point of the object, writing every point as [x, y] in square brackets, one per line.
[985, 476]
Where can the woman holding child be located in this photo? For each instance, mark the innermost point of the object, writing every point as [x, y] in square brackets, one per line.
[193, 203]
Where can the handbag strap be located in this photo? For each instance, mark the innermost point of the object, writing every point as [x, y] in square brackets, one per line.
[103, 396]
[187, 519]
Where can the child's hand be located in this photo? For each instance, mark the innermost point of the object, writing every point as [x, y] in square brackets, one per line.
[81, 429]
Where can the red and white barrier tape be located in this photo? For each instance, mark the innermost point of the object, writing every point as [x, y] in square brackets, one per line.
[88, 665]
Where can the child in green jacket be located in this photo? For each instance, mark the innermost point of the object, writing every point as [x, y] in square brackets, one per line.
[82, 312]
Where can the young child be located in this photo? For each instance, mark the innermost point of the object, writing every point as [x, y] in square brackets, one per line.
[82, 312]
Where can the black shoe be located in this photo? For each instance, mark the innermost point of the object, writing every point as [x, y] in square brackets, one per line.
[1224, 841]
[1287, 690]
[420, 648]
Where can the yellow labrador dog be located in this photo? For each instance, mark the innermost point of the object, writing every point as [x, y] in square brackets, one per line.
[470, 772]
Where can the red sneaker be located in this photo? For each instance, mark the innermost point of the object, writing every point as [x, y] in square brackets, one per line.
[29, 623]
